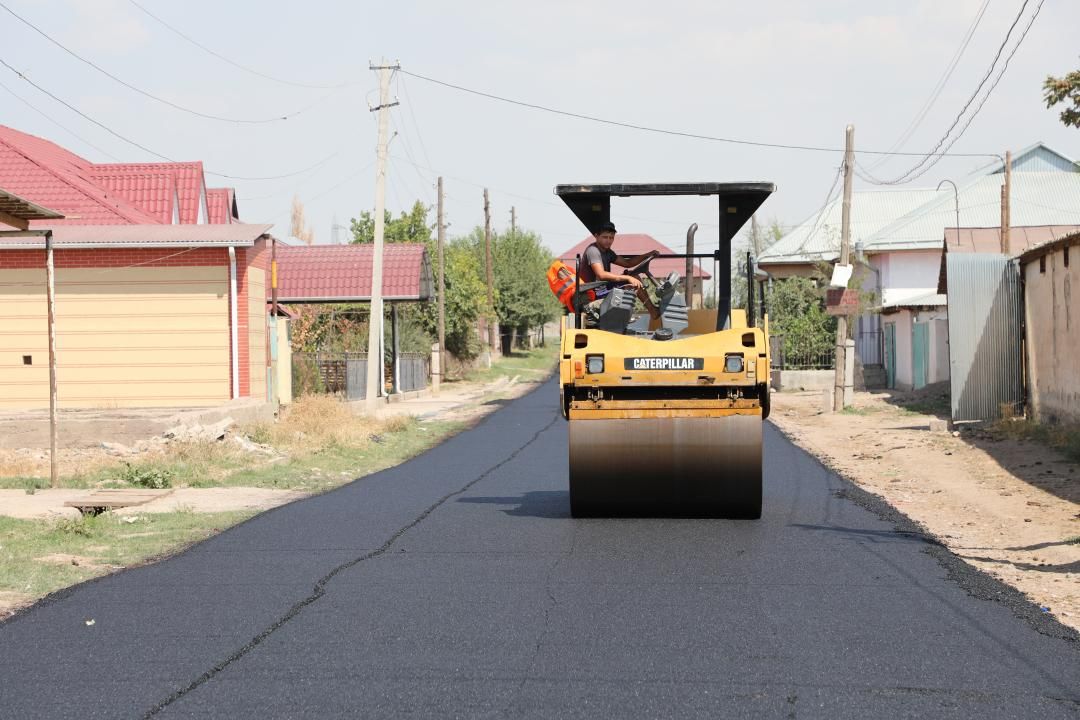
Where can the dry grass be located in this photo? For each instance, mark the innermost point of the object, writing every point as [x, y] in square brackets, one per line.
[1064, 438]
[314, 423]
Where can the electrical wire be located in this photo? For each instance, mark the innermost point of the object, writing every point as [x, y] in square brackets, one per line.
[416, 125]
[48, 117]
[163, 101]
[663, 131]
[932, 158]
[821, 212]
[237, 65]
[940, 86]
[147, 150]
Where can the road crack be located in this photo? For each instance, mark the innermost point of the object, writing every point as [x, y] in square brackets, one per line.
[320, 586]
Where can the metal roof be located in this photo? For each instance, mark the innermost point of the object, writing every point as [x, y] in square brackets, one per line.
[930, 299]
[20, 209]
[737, 200]
[988, 241]
[342, 273]
[1049, 247]
[818, 237]
[1037, 198]
[141, 236]
[1037, 157]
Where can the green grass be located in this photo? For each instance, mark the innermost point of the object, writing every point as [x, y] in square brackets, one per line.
[1074, 540]
[1063, 438]
[530, 365]
[100, 544]
[850, 410]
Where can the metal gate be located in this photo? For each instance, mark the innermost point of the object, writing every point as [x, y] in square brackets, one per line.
[985, 355]
[356, 376]
[920, 354]
[890, 355]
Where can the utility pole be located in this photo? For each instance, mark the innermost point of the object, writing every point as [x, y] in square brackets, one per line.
[374, 378]
[442, 288]
[755, 242]
[513, 220]
[493, 324]
[845, 254]
[1006, 219]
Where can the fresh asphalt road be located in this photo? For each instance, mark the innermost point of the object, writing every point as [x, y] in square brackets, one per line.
[457, 585]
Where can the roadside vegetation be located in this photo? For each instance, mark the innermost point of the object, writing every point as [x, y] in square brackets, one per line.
[1062, 437]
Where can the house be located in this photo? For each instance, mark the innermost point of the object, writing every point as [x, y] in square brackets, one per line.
[897, 238]
[637, 244]
[1050, 271]
[158, 302]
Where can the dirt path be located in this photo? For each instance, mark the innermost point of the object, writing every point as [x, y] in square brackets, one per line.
[1010, 508]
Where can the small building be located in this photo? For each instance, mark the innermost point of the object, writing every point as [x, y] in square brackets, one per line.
[638, 244]
[146, 316]
[1051, 276]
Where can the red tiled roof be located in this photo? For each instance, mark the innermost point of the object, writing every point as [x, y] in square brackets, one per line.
[636, 244]
[153, 235]
[188, 177]
[342, 273]
[221, 206]
[48, 175]
[155, 193]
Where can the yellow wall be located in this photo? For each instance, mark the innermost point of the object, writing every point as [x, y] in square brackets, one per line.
[1053, 336]
[257, 331]
[134, 337]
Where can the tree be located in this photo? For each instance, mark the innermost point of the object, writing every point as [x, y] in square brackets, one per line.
[797, 313]
[1064, 90]
[523, 299]
[757, 240]
[411, 226]
[298, 227]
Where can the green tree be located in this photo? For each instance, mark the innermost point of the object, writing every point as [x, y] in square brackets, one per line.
[411, 226]
[797, 312]
[523, 299]
[1064, 90]
[757, 239]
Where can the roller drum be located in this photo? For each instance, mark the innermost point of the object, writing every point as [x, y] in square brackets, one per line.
[667, 467]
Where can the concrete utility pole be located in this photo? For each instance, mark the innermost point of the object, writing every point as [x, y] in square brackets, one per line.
[374, 379]
[493, 323]
[845, 255]
[1006, 219]
[442, 290]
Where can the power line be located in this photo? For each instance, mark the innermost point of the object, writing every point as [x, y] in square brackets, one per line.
[48, 117]
[145, 149]
[931, 159]
[144, 93]
[940, 86]
[663, 131]
[235, 64]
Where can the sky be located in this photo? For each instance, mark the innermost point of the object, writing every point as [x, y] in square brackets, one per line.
[773, 71]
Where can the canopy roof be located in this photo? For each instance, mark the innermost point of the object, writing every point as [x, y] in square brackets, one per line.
[738, 201]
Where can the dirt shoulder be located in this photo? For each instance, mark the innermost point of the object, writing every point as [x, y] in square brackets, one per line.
[1008, 507]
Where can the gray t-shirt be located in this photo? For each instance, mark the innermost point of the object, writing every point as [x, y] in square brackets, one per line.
[593, 254]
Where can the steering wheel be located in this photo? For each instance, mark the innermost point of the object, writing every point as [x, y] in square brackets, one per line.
[642, 266]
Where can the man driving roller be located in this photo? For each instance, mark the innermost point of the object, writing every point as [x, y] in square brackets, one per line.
[596, 267]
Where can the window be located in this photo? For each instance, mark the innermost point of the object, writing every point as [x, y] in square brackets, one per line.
[1042, 264]
[27, 359]
[1066, 256]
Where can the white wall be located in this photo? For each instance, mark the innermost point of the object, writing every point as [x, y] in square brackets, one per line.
[908, 273]
[937, 368]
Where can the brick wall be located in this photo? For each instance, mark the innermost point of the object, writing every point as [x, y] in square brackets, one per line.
[116, 257]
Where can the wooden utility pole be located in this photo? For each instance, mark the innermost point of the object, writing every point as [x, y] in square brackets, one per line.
[374, 378]
[1006, 219]
[493, 325]
[513, 220]
[442, 290]
[845, 254]
[50, 280]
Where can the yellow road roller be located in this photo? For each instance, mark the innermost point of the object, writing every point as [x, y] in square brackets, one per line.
[665, 401]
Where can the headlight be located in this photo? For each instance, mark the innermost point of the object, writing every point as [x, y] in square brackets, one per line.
[594, 364]
[733, 364]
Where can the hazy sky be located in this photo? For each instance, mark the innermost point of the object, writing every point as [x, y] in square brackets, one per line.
[778, 71]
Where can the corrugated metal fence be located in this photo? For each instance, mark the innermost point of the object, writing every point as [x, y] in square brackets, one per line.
[985, 331]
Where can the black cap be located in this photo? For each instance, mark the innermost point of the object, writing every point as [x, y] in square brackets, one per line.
[605, 227]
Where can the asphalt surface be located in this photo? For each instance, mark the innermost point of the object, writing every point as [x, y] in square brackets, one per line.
[457, 585]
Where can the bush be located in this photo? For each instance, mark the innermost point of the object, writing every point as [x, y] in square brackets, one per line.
[146, 476]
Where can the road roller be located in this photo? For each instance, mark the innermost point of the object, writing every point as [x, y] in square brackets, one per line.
[665, 400]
